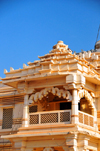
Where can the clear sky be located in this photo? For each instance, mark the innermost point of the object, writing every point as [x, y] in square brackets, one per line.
[29, 28]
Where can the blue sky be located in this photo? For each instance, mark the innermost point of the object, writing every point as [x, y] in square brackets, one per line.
[29, 28]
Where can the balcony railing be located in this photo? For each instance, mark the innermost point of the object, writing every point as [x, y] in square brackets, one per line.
[86, 119]
[50, 117]
[62, 116]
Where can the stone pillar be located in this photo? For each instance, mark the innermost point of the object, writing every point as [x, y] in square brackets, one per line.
[74, 116]
[25, 112]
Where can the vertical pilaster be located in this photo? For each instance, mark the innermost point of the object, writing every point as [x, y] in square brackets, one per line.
[25, 112]
[74, 116]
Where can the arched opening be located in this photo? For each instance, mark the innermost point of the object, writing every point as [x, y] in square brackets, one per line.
[50, 102]
[50, 99]
[86, 102]
[83, 106]
[50, 106]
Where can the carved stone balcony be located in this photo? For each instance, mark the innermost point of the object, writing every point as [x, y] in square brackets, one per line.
[86, 119]
[57, 117]
[50, 117]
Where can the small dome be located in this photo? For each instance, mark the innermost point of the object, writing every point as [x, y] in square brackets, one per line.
[97, 45]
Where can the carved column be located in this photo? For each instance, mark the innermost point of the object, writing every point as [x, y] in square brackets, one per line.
[74, 116]
[25, 112]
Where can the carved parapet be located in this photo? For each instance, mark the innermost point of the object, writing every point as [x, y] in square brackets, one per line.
[24, 66]
[94, 56]
[85, 54]
[5, 71]
[11, 69]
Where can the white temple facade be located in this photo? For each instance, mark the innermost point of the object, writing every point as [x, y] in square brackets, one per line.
[52, 104]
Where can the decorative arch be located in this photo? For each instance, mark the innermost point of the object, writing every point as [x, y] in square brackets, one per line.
[87, 95]
[55, 91]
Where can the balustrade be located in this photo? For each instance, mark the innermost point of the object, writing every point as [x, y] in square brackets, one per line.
[86, 119]
[62, 116]
[50, 117]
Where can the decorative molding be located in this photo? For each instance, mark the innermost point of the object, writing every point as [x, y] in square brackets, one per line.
[55, 91]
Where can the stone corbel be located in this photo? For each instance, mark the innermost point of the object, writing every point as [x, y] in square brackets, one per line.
[23, 88]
